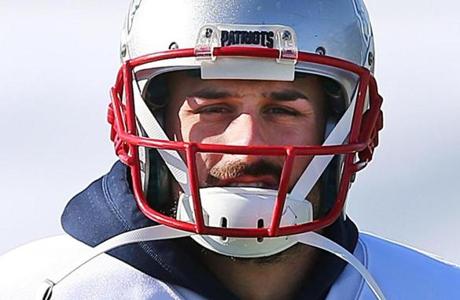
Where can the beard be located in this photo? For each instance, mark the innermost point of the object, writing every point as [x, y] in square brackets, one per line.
[278, 258]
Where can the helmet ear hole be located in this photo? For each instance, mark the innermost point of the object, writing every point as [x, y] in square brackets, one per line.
[156, 92]
[158, 183]
[155, 178]
[330, 181]
[336, 101]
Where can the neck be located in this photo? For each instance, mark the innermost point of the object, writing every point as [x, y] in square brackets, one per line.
[276, 277]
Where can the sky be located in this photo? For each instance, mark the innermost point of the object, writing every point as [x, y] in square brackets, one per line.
[59, 59]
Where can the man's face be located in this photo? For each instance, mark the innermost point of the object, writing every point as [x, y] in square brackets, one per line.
[245, 113]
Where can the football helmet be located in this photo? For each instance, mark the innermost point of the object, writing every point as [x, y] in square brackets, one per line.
[247, 40]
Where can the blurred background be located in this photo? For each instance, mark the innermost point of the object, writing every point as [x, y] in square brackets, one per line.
[59, 58]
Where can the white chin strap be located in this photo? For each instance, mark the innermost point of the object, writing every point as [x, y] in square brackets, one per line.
[162, 232]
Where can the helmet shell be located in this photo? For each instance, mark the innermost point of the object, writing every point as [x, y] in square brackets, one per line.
[337, 28]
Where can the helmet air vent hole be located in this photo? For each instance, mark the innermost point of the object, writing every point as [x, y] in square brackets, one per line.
[260, 224]
[123, 50]
[370, 58]
[223, 224]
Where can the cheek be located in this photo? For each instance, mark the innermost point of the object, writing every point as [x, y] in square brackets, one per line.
[187, 128]
[300, 164]
[298, 135]
[192, 130]
[302, 131]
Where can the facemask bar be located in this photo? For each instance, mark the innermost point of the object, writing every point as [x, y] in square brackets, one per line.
[126, 141]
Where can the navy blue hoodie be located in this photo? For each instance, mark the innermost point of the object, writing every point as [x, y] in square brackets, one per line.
[107, 208]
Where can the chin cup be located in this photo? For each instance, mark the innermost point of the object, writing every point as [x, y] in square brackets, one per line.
[244, 207]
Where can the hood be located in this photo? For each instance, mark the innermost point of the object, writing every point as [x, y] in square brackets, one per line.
[107, 208]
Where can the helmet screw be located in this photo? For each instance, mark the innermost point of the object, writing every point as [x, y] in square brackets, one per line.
[320, 51]
[208, 33]
[173, 46]
[286, 35]
[123, 50]
[370, 58]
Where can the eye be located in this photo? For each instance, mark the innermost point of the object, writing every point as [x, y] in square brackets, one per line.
[281, 111]
[213, 109]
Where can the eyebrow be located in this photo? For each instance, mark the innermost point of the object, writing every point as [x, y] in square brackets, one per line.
[286, 95]
[283, 95]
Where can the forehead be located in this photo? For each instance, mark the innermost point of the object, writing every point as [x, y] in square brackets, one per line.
[190, 82]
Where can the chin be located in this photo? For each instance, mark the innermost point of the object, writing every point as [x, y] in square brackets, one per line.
[280, 257]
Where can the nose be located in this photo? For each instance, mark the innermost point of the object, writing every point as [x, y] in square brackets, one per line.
[246, 130]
